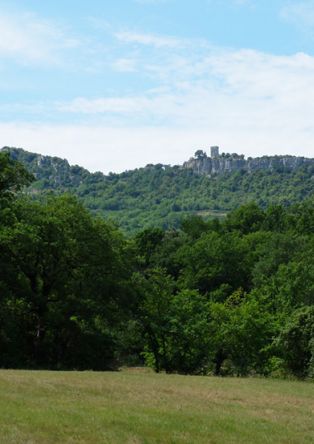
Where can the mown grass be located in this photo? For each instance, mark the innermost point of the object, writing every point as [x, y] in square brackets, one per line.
[139, 407]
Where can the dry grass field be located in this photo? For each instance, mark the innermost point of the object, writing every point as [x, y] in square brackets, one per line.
[142, 407]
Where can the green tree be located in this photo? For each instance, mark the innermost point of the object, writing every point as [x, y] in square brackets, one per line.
[248, 218]
[66, 271]
[13, 175]
[188, 335]
[242, 334]
[154, 290]
[199, 154]
[213, 260]
[296, 342]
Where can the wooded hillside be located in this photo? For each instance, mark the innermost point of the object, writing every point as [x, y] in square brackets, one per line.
[162, 195]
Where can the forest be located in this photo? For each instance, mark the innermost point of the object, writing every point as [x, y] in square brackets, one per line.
[162, 195]
[231, 296]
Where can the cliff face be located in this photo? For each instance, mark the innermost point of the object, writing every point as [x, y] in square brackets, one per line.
[52, 171]
[225, 164]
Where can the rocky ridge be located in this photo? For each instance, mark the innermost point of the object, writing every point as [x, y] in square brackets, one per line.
[227, 163]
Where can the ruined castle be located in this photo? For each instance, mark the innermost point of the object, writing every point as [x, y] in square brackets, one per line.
[226, 163]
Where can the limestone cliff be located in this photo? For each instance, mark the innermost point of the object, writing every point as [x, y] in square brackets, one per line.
[226, 163]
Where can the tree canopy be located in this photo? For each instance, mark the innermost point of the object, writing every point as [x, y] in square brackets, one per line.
[225, 297]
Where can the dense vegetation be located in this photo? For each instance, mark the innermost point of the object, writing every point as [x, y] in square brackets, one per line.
[161, 195]
[224, 297]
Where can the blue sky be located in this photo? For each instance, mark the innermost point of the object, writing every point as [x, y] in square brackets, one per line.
[113, 85]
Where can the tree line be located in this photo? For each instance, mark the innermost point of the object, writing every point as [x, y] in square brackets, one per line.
[225, 297]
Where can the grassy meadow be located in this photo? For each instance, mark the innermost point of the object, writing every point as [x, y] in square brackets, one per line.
[136, 406]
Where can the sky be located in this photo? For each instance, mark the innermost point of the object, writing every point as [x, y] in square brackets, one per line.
[116, 84]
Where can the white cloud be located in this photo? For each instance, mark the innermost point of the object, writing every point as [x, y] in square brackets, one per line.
[26, 38]
[157, 41]
[243, 2]
[101, 148]
[299, 13]
[125, 65]
[239, 88]
[246, 3]
[121, 105]
[151, 2]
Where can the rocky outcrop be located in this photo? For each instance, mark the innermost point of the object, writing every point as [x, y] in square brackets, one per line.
[233, 162]
[51, 171]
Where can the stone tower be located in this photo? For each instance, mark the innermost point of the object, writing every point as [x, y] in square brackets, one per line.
[214, 151]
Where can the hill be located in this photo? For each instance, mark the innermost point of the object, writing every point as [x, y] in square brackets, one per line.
[161, 195]
[136, 407]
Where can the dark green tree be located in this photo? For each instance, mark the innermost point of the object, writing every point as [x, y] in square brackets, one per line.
[296, 343]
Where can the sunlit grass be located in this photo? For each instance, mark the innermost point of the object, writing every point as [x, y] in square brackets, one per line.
[142, 407]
